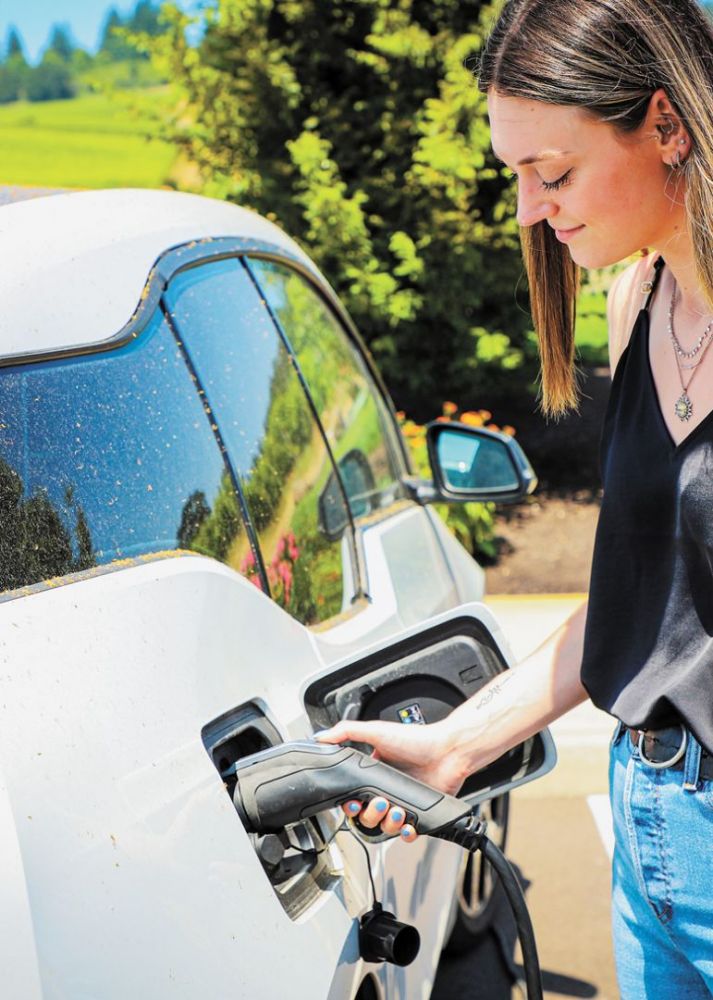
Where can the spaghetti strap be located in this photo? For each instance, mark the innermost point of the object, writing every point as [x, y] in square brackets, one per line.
[648, 288]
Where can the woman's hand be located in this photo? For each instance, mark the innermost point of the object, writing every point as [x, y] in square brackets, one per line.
[421, 751]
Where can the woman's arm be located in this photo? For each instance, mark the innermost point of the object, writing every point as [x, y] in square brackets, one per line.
[510, 708]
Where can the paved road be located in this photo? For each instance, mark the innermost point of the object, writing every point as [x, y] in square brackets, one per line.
[16, 192]
[560, 841]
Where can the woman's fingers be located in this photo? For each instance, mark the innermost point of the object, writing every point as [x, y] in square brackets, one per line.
[378, 812]
[374, 813]
[394, 821]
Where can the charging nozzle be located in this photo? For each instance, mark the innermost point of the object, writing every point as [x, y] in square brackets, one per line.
[293, 781]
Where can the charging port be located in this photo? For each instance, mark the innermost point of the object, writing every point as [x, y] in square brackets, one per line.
[298, 861]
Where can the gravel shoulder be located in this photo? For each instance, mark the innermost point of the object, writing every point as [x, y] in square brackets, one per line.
[545, 546]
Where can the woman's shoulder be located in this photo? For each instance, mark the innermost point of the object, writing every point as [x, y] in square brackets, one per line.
[624, 302]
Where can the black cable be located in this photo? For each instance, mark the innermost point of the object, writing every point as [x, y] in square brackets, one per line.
[525, 932]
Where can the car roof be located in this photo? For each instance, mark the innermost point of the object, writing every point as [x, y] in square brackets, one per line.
[74, 266]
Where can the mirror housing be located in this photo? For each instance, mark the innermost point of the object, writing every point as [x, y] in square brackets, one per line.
[471, 464]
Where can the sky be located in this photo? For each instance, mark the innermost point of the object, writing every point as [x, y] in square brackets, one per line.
[34, 18]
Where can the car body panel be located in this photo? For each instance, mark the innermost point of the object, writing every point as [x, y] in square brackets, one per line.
[123, 827]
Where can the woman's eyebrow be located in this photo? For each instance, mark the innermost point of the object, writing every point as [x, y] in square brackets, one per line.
[546, 154]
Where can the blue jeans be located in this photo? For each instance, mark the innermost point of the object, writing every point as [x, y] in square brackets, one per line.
[662, 885]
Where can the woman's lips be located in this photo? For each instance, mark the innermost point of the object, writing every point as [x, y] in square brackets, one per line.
[565, 235]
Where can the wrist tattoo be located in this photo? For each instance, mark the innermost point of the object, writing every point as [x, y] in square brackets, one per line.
[494, 690]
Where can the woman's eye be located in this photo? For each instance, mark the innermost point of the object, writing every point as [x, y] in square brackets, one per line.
[556, 185]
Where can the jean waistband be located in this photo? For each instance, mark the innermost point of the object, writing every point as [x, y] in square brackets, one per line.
[672, 748]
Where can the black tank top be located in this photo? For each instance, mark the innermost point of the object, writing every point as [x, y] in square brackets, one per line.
[648, 646]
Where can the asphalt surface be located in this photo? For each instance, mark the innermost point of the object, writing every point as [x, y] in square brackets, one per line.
[560, 845]
[10, 193]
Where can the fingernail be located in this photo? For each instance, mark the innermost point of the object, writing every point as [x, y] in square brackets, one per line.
[353, 807]
[397, 815]
[381, 805]
[406, 833]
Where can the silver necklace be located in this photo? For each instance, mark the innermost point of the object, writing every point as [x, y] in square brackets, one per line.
[684, 407]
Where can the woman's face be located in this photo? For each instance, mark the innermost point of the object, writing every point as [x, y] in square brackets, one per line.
[607, 196]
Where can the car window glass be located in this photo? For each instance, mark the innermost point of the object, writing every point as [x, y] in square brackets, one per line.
[108, 457]
[276, 445]
[350, 406]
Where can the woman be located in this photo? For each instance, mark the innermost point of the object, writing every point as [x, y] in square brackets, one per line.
[604, 111]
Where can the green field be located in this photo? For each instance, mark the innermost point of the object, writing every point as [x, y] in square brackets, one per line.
[90, 142]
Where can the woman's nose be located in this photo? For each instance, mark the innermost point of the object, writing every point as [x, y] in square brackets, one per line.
[533, 205]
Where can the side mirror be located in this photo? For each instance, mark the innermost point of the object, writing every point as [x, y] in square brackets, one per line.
[358, 482]
[471, 463]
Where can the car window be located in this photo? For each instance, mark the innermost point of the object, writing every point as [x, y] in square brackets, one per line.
[276, 445]
[350, 406]
[108, 457]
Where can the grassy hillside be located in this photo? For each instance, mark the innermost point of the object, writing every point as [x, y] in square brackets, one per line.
[92, 141]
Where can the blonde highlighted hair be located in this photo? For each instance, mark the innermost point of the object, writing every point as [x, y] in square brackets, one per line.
[607, 57]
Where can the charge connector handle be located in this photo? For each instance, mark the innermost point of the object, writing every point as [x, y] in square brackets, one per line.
[293, 781]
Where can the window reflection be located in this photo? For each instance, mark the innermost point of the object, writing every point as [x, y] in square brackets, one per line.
[108, 457]
[273, 440]
[350, 406]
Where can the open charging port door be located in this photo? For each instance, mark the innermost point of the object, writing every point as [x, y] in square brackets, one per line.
[419, 677]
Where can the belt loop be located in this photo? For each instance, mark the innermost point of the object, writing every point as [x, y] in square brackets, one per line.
[691, 764]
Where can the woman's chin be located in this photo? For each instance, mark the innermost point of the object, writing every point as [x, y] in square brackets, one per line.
[592, 258]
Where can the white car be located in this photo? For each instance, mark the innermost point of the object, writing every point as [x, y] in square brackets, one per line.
[212, 541]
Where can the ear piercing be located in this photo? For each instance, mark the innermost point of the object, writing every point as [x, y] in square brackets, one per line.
[678, 163]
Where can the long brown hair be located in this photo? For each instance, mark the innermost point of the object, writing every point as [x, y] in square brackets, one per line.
[608, 57]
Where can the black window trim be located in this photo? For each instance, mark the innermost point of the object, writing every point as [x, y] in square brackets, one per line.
[358, 569]
[214, 425]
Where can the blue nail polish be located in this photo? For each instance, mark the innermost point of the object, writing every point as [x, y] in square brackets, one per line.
[354, 807]
[405, 833]
[381, 805]
[397, 815]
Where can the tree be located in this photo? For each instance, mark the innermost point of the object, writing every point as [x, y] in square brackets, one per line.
[14, 72]
[113, 44]
[146, 18]
[52, 80]
[195, 511]
[358, 125]
[14, 45]
[61, 43]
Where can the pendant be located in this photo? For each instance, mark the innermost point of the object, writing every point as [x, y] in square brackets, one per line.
[684, 407]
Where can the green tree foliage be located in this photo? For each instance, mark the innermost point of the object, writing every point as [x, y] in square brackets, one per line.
[120, 36]
[61, 43]
[14, 44]
[114, 45]
[52, 80]
[194, 513]
[358, 126]
[65, 69]
[35, 543]
[14, 71]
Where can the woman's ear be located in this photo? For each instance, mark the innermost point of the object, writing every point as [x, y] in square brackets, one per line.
[664, 124]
